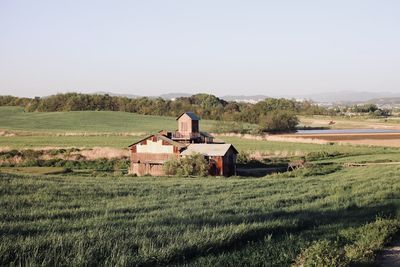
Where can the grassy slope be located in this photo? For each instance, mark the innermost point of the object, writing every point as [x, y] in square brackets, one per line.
[217, 222]
[13, 118]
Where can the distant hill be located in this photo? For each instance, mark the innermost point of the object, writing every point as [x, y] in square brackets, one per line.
[386, 102]
[347, 96]
[115, 94]
[244, 98]
[170, 96]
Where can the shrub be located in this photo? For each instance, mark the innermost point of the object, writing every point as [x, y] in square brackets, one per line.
[9, 154]
[368, 239]
[243, 157]
[31, 154]
[171, 166]
[319, 155]
[279, 121]
[193, 165]
[322, 253]
[121, 164]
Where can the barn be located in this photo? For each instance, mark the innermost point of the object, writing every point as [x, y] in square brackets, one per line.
[149, 154]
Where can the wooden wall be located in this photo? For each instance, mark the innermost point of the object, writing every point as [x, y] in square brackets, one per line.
[141, 169]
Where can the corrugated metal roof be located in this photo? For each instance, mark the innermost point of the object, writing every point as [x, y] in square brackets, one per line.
[190, 114]
[208, 149]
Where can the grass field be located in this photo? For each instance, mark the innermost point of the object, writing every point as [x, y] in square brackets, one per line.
[14, 118]
[90, 219]
[72, 220]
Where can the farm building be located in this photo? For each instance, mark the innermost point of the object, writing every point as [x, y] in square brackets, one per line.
[221, 157]
[149, 154]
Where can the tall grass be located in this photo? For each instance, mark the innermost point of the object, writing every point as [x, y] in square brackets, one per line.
[72, 220]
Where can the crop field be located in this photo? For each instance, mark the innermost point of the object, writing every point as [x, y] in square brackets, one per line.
[73, 220]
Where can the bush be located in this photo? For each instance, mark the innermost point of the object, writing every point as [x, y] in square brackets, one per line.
[31, 154]
[279, 121]
[322, 253]
[319, 155]
[368, 239]
[193, 165]
[243, 157]
[9, 154]
[171, 166]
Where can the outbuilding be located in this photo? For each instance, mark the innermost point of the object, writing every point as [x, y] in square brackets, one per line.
[221, 157]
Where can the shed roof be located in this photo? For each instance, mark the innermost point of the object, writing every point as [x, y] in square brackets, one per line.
[190, 114]
[161, 137]
[209, 149]
[206, 134]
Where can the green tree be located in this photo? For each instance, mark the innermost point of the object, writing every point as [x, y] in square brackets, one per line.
[279, 121]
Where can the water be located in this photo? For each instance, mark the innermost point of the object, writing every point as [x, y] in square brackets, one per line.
[347, 131]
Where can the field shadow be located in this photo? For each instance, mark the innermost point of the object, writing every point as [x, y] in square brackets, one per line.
[351, 216]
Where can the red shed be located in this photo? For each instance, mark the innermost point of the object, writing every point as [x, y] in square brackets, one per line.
[221, 157]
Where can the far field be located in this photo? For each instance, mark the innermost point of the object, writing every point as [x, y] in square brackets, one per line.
[355, 122]
[14, 118]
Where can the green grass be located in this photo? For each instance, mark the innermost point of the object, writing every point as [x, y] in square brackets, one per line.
[14, 118]
[33, 170]
[128, 221]
[38, 141]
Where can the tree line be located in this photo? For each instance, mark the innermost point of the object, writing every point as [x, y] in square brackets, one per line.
[205, 106]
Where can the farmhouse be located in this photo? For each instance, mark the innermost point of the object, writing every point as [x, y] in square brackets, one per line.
[149, 154]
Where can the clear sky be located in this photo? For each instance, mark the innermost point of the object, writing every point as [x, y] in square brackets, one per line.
[150, 47]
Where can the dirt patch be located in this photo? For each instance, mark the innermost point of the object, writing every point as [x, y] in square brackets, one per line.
[104, 152]
[277, 138]
[390, 256]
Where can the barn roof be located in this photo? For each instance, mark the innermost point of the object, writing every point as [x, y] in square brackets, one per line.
[190, 114]
[206, 134]
[161, 137]
[209, 149]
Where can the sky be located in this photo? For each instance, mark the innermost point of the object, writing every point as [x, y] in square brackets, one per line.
[149, 47]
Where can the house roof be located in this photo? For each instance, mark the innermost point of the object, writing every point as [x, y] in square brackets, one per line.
[208, 149]
[190, 114]
[161, 137]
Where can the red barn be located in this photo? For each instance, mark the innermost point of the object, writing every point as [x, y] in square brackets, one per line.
[149, 154]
